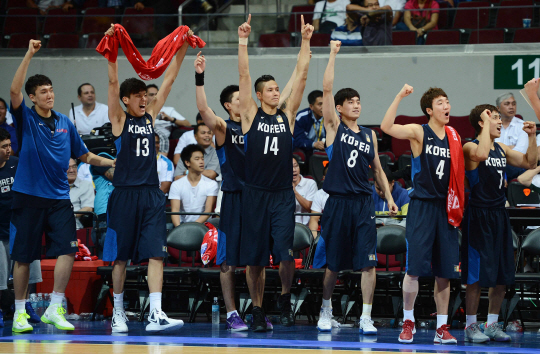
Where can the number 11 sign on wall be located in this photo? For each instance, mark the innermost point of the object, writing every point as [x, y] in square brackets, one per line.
[513, 71]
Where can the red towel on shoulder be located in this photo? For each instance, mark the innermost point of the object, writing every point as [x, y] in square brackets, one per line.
[162, 54]
[456, 188]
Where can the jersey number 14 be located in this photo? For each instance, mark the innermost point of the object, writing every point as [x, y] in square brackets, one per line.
[273, 145]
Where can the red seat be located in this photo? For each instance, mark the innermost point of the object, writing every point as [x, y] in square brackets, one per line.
[21, 20]
[513, 17]
[295, 20]
[403, 38]
[63, 40]
[93, 40]
[138, 22]
[443, 37]
[58, 21]
[97, 19]
[320, 40]
[275, 40]
[90, 3]
[443, 22]
[15, 3]
[400, 147]
[463, 127]
[21, 40]
[527, 35]
[472, 18]
[389, 154]
[486, 36]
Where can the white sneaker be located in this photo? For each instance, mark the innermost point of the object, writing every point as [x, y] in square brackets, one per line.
[325, 320]
[20, 322]
[366, 326]
[55, 315]
[119, 319]
[160, 322]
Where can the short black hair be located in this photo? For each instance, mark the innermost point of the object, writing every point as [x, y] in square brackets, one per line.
[297, 158]
[259, 83]
[345, 94]
[198, 118]
[34, 81]
[474, 116]
[227, 94]
[4, 134]
[313, 95]
[188, 151]
[79, 89]
[152, 85]
[130, 87]
[4, 102]
[197, 127]
[426, 101]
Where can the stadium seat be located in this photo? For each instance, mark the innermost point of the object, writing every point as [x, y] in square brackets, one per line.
[97, 19]
[320, 40]
[443, 22]
[21, 20]
[487, 36]
[385, 160]
[405, 160]
[275, 40]
[513, 17]
[90, 3]
[403, 38]
[472, 18]
[59, 21]
[93, 40]
[15, 3]
[443, 37]
[21, 40]
[316, 166]
[463, 127]
[527, 35]
[63, 40]
[297, 11]
[390, 154]
[520, 194]
[137, 22]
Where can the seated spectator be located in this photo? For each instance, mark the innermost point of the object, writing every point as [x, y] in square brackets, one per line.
[167, 118]
[165, 169]
[329, 14]
[319, 201]
[350, 34]
[401, 198]
[195, 193]
[83, 172]
[421, 16]
[89, 114]
[81, 193]
[203, 138]
[309, 132]
[5, 125]
[304, 191]
[376, 24]
[46, 5]
[397, 15]
[186, 139]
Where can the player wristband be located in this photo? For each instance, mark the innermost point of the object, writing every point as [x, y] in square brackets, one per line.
[199, 79]
[243, 41]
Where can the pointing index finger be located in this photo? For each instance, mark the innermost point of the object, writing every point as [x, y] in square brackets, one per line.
[302, 21]
[249, 19]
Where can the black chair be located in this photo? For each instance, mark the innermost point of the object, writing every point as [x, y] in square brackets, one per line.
[520, 194]
[404, 161]
[316, 167]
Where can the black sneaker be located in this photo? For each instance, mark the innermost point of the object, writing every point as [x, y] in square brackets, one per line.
[258, 323]
[287, 315]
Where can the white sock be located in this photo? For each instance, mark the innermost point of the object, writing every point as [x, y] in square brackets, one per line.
[492, 318]
[19, 305]
[327, 303]
[441, 320]
[56, 298]
[408, 315]
[470, 320]
[229, 314]
[155, 301]
[118, 301]
[366, 311]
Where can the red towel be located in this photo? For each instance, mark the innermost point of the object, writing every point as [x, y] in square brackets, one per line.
[209, 244]
[84, 253]
[456, 188]
[161, 56]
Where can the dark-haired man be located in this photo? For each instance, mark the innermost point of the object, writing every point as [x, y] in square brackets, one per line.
[186, 139]
[41, 199]
[136, 209]
[89, 114]
[401, 198]
[203, 138]
[309, 132]
[487, 255]
[268, 201]
[5, 125]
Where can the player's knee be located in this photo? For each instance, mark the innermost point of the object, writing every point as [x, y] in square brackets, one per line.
[368, 269]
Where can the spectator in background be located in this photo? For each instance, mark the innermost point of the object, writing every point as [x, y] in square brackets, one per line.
[397, 15]
[167, 118]
[376, 24]
[165, 169]
[137, 4]
[329, 14]
[5, 125]
[81, 193]
[89, 114]
[401, 198]
[45, 5]
[319, 201]
[531, 179]
[203, 138]
[421, 16]
[186, 139]
[350, 34]
[309, 132]
[304, 192]
[196, 193]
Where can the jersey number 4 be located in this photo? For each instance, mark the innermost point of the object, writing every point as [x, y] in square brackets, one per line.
[273, 145]
[146, 150]
[440, 169]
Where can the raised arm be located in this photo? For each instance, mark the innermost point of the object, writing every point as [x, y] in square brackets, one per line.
[15, 92]
[480, 152]
[531, 88]
[331, 119]
[286, 92]
[211, 120]
[530, 158]
[408, 131]
[117, 116]
[248, 107]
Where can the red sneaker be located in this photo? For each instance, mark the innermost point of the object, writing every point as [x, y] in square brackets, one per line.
[443, 336]
[407, 332]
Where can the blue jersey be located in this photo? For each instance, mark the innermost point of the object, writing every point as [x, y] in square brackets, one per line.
[350, 157]
[44, 154]
[431, 170]
[487, 180]
[136, 163]
[232, 158]
[268, 146]
[104, 187]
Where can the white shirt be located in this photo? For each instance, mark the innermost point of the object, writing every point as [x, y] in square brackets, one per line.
[334, 11]
[396, 5]
[538, 140]
[307, 189]
[165, 169]
[192, 199]
[514, 135]
[319, 201]
[165, 127]
[536, 181]
[83, 172]
[85, 124]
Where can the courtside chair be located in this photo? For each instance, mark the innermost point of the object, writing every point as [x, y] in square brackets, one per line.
[520, 194]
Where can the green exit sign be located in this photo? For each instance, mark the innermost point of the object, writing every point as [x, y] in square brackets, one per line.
[513, 71]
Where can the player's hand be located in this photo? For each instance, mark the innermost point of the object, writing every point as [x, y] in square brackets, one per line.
[529, 128]
[34, 46]
[406, 91]
[392, 209]
[165, 116]
[190, 33]
[334, 46]
[531, 87]
[245, 29]
[110, 31]
[307, 29]
[319, 145]
[486, 116]
[200, 63]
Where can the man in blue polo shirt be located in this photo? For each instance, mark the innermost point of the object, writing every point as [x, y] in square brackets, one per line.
[41, 191]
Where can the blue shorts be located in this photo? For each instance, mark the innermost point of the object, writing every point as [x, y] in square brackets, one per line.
[348, 234]
[136, 225]
[230, 229]
[267, 226]
[487, 253]
[27, 227]
[432, 243]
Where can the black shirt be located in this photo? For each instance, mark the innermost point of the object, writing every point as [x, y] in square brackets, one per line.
[7, 177]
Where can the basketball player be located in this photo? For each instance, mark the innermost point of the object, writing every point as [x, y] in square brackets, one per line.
[268, 201]
[432, 243]
[348, 221]
[487, 255]
[136, 209]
